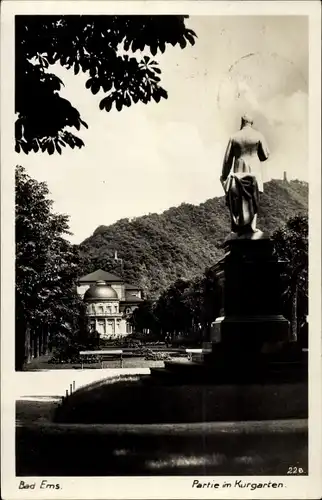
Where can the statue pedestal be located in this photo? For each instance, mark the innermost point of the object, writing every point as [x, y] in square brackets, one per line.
[250, 321]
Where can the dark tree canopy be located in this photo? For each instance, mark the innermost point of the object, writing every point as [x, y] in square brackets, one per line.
[100, 46]
[47, 265]
[291, 244]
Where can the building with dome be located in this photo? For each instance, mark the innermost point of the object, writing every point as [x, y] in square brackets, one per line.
[109, 303]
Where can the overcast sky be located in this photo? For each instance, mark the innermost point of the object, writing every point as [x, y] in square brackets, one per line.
[148, 158]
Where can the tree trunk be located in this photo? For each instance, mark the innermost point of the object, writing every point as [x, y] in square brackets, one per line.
[27, 345]
[294, 322]
[20, 344]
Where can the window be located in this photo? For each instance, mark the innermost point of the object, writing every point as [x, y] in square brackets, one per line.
[111, 327]
[101, 326]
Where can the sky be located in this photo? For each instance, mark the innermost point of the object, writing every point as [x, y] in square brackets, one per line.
[148, 158]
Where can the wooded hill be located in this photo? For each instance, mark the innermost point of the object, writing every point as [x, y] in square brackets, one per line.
[181, 242]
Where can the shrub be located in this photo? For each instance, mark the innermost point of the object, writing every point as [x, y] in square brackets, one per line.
[156, 356]
[66, 348]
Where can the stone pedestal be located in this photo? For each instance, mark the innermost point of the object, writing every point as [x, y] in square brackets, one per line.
[250, 321]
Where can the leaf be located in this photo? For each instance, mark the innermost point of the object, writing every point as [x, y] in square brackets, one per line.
[119, 105]
[35, 146]
[103, 103]
[127, 101]
[109, 103]
[154, 49]
[17, 147]
[76, 68]
[25, 147]
[182, 43]
[78, 142]
[163, 93]
[95, 87]
[107, 85]
[51, 148]
[83, 123]
[58, 148]
[190, 38]
[18, 129]
[156, 96]
[89, 83]
[191, 33]
[157, 70]
[135, 98]
[162, 47]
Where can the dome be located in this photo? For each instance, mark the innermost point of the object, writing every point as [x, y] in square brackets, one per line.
[100, 292]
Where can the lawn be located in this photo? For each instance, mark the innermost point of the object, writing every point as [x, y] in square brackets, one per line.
[221, 448]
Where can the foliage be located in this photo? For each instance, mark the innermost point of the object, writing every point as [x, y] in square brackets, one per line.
[102, 47]
[151, 355]
[186, 309]
[143, 317]
[291, 244]
[182, 241]
[172, 311]
[46, 264]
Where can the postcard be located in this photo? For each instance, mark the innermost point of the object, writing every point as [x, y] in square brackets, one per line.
[161, 249]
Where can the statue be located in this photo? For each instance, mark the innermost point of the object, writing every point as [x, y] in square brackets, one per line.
[242, 178]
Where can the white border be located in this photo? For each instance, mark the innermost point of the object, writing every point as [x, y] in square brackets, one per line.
[157, 487]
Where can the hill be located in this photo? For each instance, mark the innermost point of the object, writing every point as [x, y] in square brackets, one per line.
[181, 242]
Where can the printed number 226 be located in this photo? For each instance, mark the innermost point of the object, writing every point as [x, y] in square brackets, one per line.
[295, 470]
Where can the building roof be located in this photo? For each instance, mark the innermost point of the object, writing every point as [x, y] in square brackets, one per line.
[100, 292]
[128, 286]
[129, 297]
[100, 275]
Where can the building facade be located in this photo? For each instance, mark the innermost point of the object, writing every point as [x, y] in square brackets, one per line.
[110, 303]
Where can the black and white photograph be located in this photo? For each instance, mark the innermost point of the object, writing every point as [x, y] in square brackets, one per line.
[161, 274]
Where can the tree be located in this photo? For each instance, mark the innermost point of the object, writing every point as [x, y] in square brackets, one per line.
[46, 266]
[291, 245]
[172, 310]
[100, 46]
[143, 317]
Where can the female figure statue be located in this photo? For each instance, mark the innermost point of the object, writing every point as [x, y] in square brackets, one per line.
[242, 177]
